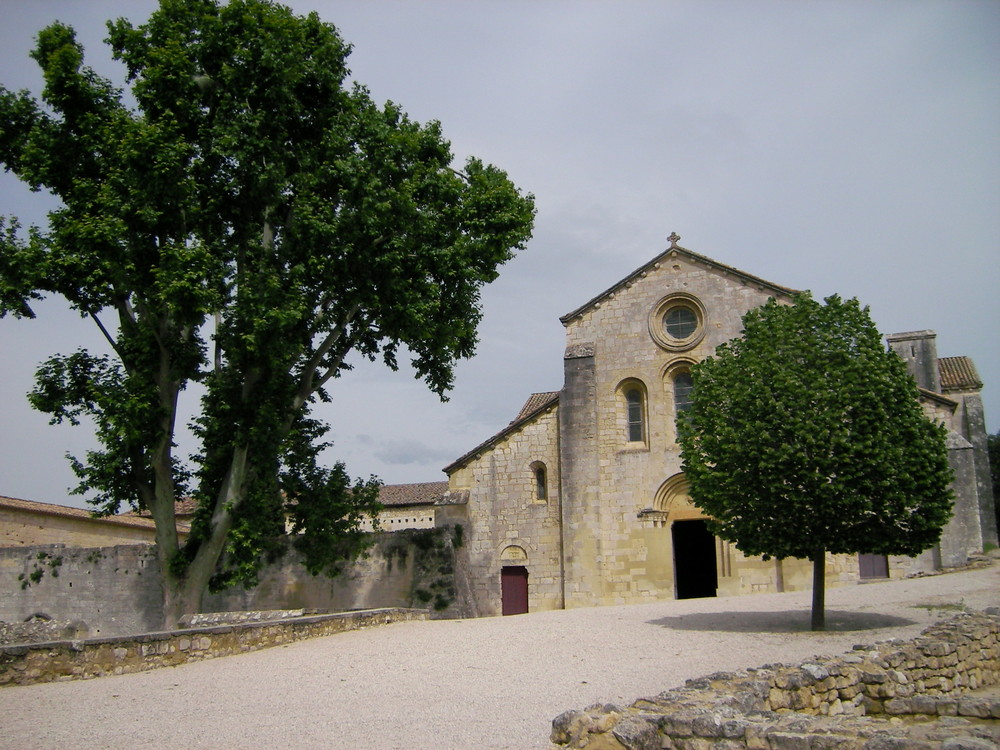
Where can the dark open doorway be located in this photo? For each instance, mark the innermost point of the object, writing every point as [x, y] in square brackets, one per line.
[514, 589]
[695, 573]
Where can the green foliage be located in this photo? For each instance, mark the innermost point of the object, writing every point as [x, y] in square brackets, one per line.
[45, 560]
[805, 434]
[433, 562]
[245, 226]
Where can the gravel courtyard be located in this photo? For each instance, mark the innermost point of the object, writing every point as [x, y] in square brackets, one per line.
[486, 683]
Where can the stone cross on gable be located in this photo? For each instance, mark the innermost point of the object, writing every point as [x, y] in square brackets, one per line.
[674, 239]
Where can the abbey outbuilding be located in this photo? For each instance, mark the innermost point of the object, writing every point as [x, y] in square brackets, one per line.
[581, 500]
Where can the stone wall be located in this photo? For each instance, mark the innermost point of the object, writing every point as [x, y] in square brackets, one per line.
[116, 590]
[97, 657]
[506, 522]
[841, 702]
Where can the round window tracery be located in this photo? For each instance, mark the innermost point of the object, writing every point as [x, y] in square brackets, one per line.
[677, 322]
[680, 322]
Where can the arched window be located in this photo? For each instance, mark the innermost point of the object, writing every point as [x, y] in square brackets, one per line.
[632, 419]
[633, 406]
[683, 385]
[541, 482]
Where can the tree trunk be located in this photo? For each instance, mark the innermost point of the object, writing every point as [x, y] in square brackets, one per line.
[183, 596]
[179, 598]
[819, 591]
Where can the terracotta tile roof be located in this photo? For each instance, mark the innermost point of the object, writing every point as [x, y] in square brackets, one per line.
[697, 258]
[50, 509]
[958, 374]
[184, 508]
[425, 493]
[536, 404]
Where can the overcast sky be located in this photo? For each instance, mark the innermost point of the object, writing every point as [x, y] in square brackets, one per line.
[849, 147]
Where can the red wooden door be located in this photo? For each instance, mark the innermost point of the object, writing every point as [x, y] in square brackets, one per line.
[514, 589]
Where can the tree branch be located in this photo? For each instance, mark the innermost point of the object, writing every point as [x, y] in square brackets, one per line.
[107, 335]
[307, 383]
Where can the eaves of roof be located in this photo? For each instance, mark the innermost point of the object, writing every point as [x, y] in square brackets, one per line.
[670, 252]
[537, 404]
[404, 495]
[63, 511]
[938, 398]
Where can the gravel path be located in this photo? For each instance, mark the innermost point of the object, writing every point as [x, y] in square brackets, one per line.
[459, 684]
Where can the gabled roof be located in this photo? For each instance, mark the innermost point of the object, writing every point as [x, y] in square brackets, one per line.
[671, 251]
[958, 374]
[536, 404]
[402, 495]
[63, 511]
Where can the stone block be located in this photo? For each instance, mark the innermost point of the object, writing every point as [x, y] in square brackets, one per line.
[789, 741]
[947, 707]
[570, 726]
[978, 707]
[872, 676]
[778, 699]
[637, 733]
[898, 707]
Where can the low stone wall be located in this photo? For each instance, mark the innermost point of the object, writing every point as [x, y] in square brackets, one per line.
[848, 702]
[97, 657]
[116, 591]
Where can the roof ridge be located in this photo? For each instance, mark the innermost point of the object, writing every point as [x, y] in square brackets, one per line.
[674, 249]
[523, 417]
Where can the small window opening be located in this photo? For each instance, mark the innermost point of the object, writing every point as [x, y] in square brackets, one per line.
[541, 491]
[633, 400]
[683, 386]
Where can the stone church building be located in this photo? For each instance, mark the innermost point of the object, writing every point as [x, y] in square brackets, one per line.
[581, 501]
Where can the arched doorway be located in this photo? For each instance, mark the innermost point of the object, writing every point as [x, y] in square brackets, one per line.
[513, 581]
[695, 570]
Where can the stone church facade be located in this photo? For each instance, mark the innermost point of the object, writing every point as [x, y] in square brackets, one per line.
[581, 500]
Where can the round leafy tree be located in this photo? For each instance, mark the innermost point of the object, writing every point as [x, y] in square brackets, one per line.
[805, 436]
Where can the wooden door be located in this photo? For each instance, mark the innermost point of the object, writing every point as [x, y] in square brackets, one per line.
[514, 589]
[873, 566]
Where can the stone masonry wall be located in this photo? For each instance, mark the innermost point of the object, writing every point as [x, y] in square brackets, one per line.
[116, 590]
[97, 657]
[848, 702]
[507, 523]
[623, 561]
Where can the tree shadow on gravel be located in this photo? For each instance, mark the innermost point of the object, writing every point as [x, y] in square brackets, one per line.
[791, 621]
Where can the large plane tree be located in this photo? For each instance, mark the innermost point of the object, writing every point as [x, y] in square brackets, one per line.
[242, 219]
[805, 436]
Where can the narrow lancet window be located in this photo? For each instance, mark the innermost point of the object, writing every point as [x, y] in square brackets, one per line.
[633, 401]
